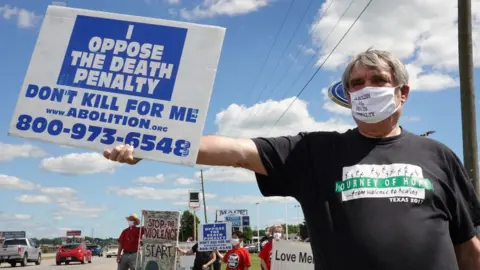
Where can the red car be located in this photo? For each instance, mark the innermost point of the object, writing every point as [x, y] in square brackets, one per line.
[73, 253]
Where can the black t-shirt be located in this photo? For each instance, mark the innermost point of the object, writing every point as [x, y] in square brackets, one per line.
[394, 203]
[201, 257]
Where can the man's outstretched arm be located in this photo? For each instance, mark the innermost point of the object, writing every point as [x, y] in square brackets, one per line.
[468, 254]
[214, 150]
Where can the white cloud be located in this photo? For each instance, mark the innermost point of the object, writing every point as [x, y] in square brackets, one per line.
[173, 12]
[251, 199]
[25, 198]
[25, 18]
[258, 120]
[79, 163]
[173, 2]
[180, 203]
[12, 151]
[227, 174]
[422, 33]
[6, 216]
[12, 182]
[332, 107]
[58, 218]
[306, 50]
[185, 181]
[58, 191]
[429, 81]
[158, 179]
[78, 209]
[211, 8]
[149, 193]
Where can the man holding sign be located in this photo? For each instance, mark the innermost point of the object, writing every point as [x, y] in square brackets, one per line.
[128, 243]
[265, 254]
[376, 197]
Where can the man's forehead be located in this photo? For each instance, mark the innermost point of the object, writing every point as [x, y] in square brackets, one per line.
[361, 71]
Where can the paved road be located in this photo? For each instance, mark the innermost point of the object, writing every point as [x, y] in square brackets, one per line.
[98, 263]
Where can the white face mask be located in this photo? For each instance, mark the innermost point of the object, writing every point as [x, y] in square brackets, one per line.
[130, 223]
[235, 241]
[277, 236]
[373, 104]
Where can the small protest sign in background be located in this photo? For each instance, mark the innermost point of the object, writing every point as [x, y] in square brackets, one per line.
[215, 236]
[185, 262]
[160, 239]
[288, 255]
[99, 79]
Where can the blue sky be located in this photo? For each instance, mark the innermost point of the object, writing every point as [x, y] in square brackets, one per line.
[45, 188]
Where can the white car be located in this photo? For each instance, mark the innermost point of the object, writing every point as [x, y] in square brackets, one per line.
[111, 251]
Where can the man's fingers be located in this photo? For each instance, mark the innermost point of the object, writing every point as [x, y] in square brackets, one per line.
[107, 153]
[114, 153]
[128, 155]
[122, 154]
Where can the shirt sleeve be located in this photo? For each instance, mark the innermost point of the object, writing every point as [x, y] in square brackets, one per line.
[288, 161]
[225, 256]
[262, 254]
[195, 248]
[246, 257]
[121, 238]
[465, 206]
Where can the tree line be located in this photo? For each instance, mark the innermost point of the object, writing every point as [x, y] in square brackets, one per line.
[186, 231]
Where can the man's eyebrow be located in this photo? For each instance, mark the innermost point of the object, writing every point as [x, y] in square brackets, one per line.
[355, 80]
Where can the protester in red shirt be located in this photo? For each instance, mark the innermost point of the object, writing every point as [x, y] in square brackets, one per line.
[266, 253]
[129, 244]
[238, 257]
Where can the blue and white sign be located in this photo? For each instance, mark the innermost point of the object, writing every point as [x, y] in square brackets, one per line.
[99, 79]
[337, 94]
[245, 221]
[215, 236]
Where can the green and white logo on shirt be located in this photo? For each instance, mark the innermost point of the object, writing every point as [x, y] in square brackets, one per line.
[383, 181]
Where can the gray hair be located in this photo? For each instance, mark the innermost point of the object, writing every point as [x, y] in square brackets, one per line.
[375, 59]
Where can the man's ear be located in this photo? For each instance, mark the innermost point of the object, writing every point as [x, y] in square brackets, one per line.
[404, 91]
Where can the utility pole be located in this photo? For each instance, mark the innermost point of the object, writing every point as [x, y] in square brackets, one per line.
[203, 195]
[286, 222]
[467, 91]
[258, 227]
[194, 226]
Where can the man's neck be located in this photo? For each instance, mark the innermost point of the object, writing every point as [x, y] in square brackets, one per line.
[394, 131]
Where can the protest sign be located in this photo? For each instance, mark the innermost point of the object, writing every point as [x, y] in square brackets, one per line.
[288, 255]
[185, 262]
[99, 79]
[160, 239]
[215, 236]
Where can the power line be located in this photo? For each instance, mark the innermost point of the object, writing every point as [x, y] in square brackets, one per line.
[285, 50]
[321, 46]
[249, 117]
[266, 58]
[313, 56]
[323, 63]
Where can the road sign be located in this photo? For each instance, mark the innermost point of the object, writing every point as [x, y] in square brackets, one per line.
[13, 234]
[74, 233]
[245, 221]
[337, 94]
[194, 199]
